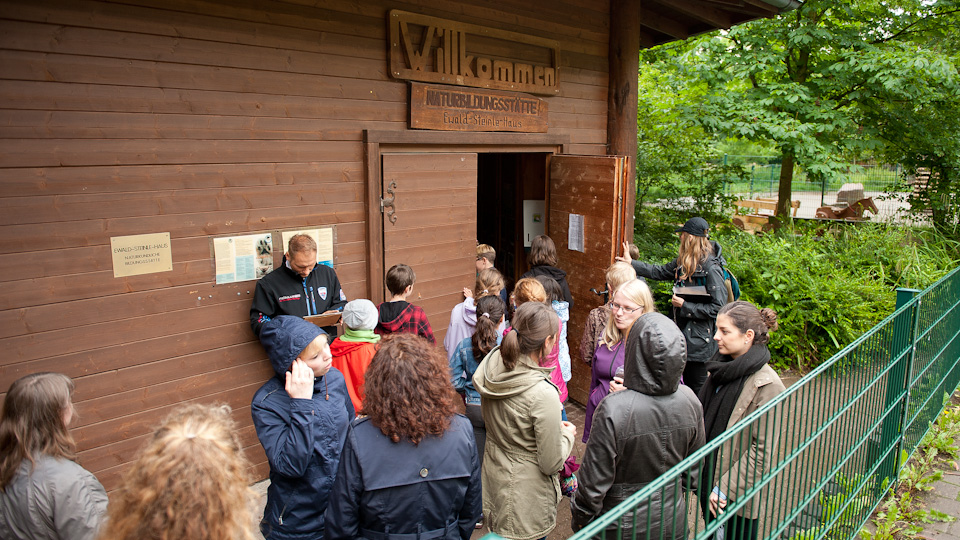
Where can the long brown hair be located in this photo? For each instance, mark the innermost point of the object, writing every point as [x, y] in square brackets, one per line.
[189, 481]
[533, 323]
[32, 422]
[490, 310]
[407, 389]
[693, 251]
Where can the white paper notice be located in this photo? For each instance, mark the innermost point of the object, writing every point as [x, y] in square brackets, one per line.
[323, 238]
[243, 258]
[575, 233]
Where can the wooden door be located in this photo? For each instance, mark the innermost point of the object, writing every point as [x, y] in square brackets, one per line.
[432, 227]
[594, 187]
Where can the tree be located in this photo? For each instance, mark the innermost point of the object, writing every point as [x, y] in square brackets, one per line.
[809, 79]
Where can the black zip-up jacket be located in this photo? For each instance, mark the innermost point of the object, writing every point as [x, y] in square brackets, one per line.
[284, 292]
[697, 321]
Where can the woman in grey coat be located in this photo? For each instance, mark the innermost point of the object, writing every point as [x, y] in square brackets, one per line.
[44, 494]
[641, 432]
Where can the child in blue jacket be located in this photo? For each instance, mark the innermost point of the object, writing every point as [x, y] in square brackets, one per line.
[301, 417]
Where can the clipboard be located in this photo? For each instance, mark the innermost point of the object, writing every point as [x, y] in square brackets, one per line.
[324, 319]
[696, 293]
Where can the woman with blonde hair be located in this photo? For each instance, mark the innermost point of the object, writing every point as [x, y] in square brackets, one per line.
[699, 263]
[44, 493]
[618, 273]
[189, 481]
[527, 440]
[463, 318]
[631, 300]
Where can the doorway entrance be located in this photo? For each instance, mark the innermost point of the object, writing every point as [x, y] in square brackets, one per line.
[504, 182]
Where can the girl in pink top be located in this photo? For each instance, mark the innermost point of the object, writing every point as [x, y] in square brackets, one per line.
[530, 290]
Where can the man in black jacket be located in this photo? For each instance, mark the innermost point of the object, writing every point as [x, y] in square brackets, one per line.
[298, 287]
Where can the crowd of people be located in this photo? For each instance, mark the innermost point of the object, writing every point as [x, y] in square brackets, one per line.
[362, 432]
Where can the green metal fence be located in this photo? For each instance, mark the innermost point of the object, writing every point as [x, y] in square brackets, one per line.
[819, 458]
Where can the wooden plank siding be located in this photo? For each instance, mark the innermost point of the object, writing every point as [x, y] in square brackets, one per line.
[203, 118]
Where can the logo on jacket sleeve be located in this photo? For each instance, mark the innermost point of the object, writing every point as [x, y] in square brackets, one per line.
[322, 291]
[343, 297]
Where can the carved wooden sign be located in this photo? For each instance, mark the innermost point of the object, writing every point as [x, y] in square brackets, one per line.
[453, 108]
[430, 49]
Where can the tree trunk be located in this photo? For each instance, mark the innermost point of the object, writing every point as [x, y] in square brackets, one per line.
[786, 186]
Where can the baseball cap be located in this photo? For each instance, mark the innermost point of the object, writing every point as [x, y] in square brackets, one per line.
[697, 226]
[360, 314]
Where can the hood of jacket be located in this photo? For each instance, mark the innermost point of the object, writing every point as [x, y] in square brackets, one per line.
[340, 347]
[493, 381]
[547, 270]
[655, 356]
[718, 253]
[469, 312]
[284, 338]
[391, 315]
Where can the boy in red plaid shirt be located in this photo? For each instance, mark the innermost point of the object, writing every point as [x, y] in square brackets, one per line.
[398, 315]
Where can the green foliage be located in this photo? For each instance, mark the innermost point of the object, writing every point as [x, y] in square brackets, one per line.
[902, 514]
[823, 83]
[828, 285]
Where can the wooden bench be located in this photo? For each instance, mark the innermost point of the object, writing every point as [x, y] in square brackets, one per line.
[764, 204]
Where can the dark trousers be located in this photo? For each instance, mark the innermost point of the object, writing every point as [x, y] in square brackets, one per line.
[694, 375]
[736, 527]
[479, 428]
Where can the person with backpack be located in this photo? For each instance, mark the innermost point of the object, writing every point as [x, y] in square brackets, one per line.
[698, 263]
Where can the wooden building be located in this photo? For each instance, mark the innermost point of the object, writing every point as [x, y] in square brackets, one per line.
[383, 119]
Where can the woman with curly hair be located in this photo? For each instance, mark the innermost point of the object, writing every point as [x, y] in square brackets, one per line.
[189, 481]
[44, 494]
[409, 465]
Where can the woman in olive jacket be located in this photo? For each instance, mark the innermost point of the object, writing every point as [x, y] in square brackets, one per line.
[740, 382]
[527, 442]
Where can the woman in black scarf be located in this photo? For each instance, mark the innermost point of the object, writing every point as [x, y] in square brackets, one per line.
[740, 382]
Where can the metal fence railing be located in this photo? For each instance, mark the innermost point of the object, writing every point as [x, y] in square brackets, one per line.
[832, 442]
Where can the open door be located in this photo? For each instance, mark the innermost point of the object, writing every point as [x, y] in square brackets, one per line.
[430, 224]
[593, 190]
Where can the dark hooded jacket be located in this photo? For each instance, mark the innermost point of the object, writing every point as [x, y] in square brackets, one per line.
[641, 432]
[301, 437]
[697, 320]
[555, 273]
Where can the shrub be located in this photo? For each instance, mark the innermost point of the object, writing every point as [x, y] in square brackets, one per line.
[828, 283]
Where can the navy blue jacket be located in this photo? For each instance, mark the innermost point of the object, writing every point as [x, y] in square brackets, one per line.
[387, 490]
[302, 437]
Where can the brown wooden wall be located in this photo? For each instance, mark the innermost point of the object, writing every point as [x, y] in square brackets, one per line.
[201, 118]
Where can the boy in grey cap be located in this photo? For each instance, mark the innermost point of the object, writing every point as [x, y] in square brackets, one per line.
[353, 350]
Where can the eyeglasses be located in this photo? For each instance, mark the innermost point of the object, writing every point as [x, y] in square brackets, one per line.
[615, 307]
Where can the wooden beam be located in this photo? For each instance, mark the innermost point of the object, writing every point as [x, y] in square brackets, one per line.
[664, 25]
[713, 16]
[624, 58]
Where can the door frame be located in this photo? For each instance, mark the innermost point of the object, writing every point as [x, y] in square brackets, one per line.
[376, 143]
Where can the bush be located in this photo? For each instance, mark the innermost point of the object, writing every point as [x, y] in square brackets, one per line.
[828, 284]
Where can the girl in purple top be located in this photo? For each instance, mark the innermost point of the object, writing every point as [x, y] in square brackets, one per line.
[463, 318]
[631, 300]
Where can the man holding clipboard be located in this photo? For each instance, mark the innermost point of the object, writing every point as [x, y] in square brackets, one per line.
[299, 287]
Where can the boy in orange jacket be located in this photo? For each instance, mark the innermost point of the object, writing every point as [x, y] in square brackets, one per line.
[353, 350]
